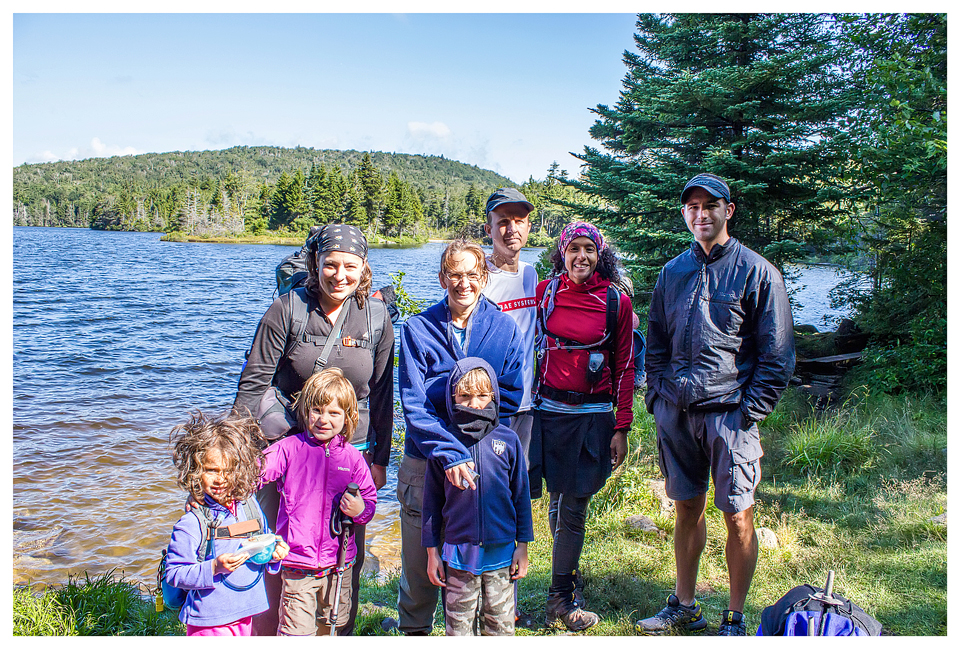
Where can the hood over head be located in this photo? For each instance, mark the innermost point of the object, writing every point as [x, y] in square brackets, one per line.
[481, 424]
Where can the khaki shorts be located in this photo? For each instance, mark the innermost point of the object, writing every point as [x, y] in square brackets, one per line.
[305, 603]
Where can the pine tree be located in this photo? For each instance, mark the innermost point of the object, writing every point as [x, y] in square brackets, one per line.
[371, 186]
[754, 98]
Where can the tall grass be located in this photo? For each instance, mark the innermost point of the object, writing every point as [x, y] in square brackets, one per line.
[100, 605]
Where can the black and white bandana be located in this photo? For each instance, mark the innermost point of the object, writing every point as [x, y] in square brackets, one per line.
[339, 236]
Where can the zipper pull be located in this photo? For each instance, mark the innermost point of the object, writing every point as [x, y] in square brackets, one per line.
[326, 448]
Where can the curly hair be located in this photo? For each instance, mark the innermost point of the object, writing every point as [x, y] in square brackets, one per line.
[324, 387]
[607, 264]
[239, 441]
[313, 280]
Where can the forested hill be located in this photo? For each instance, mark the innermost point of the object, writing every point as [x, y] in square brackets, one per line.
[245, 189]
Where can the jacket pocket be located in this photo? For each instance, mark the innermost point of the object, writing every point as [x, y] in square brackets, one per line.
[726, 313]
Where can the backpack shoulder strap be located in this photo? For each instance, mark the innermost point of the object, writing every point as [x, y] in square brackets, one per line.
[298, 319]
[613, 310]
[376, 312]
[252, 512]
[203, 515]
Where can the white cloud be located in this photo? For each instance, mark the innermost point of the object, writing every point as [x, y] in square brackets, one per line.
[424, 131]
[97, 149]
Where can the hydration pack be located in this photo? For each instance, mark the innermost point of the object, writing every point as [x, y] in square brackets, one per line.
[211, 530]
[545, 308]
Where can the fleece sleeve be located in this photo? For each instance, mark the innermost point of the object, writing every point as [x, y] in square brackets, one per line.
[520, 490]
[510, 378]
[183, 569]
[276, 458]
[424, 426]
[433, 501]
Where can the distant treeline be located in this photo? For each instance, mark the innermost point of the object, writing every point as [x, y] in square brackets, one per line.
[252, 190]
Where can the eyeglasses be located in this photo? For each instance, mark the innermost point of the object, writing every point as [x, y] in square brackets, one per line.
[456, 278]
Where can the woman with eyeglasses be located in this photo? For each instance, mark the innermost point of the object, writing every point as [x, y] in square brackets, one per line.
[337, 293]
[584, 397]
[463, 323]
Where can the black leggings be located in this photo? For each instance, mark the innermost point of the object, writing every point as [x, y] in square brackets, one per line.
[568, 524]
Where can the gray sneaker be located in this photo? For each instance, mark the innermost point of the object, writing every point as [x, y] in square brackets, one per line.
[564, 607]
[674, 617]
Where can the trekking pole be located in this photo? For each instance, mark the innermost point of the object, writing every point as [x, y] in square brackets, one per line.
[827, 600]
[345, 523]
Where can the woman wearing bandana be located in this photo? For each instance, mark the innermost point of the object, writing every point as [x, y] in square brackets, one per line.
[338, 287]
[584, 401]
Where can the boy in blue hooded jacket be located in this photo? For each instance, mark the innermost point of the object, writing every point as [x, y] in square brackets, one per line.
[476, 538]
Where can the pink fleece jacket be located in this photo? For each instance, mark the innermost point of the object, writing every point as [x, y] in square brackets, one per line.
[310, 477]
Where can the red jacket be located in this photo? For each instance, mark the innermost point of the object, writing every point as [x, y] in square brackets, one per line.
[580, 313]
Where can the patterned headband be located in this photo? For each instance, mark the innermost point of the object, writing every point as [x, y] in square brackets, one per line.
[338, 236]
[580, 229]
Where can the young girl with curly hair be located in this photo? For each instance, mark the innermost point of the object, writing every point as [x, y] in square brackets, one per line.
[218, 462]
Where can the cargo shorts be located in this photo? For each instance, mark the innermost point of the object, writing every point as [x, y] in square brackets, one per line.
[693, 444]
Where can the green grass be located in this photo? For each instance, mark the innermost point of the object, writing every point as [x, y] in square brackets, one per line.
[860, 506]
[102, 605]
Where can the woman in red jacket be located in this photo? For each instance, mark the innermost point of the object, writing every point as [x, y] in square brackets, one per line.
[584, 399]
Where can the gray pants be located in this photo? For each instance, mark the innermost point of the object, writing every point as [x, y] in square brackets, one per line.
[489, 594]
[418, 598]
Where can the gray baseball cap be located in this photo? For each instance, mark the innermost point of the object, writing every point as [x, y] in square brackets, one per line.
[713, 184]
[506, 195]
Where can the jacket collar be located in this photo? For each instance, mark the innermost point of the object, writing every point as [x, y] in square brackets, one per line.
[593, 282]
[716, 252]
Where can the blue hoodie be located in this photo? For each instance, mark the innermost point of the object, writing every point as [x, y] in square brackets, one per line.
[428, 351]
[498, 511]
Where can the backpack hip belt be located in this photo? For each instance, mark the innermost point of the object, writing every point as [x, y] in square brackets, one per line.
[574, 398]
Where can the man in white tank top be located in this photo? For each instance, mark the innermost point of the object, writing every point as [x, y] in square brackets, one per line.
[512, 284]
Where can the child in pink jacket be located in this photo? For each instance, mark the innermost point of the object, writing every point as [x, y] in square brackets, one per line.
[312, 470]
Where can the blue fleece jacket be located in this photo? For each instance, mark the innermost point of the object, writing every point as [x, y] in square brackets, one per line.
[428, 351]
[498, 511]
[209, 601]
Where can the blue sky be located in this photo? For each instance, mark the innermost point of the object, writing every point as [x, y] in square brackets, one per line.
[507, 92]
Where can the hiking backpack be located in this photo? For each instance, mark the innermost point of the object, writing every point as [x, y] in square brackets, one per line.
[292, 271]
[254, 523]
[809, 611]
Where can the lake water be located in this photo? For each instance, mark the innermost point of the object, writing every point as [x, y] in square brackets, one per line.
[116, 337]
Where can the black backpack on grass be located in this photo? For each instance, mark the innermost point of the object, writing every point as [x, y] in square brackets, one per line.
[809, 611]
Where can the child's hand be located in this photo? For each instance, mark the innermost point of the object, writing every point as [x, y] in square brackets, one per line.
[228, 562]
[191, 504]
[435, 568]
[280, 551]
[351, 505]
[518, 569]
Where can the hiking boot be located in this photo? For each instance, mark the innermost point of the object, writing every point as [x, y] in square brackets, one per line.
[732, 623]
[674, 617]
[564, 607]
